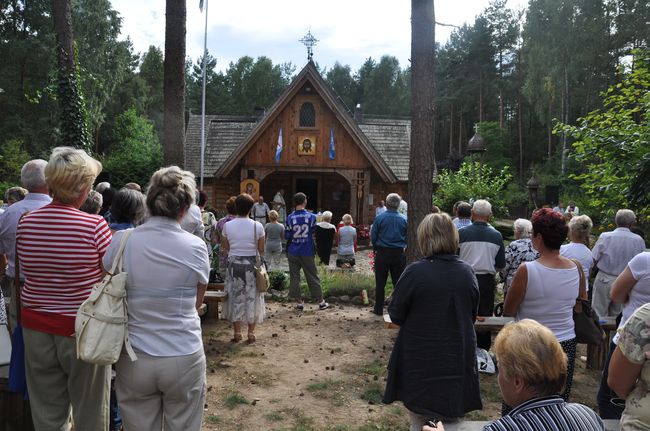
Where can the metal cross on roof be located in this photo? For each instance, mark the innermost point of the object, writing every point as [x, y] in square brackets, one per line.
[309, 41]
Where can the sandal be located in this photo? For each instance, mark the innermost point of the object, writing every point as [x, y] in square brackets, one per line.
[251, 338]
[236, 339]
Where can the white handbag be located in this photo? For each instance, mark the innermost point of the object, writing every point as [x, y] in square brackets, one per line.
[101, 325]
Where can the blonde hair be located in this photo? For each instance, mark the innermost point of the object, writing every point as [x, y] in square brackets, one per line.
[273, 215]
[69, 173]
[171, 190]
[346, 219]
[437, 235]
[530, 351]
[580, 229]
[327, 216]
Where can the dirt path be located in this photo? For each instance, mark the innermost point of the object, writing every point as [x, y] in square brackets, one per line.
[319, 370]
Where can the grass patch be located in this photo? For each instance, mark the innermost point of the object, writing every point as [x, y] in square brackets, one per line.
[234, 399]
[374, 368]
[213, 419]
[373, 394]
[332, 390]
[275, 416]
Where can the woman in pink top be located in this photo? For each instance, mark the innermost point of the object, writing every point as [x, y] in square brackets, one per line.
[59, 252]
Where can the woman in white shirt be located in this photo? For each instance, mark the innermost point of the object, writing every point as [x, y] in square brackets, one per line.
[546, 289]
[578, 248]
[243, 239]
[168, 272]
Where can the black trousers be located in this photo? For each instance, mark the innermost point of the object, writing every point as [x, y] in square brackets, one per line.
[486, 286]
[610, 405]
[387, 260]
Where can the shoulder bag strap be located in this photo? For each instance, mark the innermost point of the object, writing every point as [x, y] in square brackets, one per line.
[118, 261]
[582, 286]
[258, 264]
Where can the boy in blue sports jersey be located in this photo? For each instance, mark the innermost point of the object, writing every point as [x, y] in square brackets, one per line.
[300, 250]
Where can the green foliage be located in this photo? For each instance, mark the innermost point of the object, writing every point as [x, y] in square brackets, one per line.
[74, 131]
[136, 152]
[498, 151]
[611, 144]
[476, 181]
[278, 280]
[12, 158]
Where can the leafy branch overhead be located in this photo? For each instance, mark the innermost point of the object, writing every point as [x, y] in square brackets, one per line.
[612, 144]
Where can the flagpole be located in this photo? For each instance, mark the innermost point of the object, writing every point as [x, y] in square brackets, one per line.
[205, 55]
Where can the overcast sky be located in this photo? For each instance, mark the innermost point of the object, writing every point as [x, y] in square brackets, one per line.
[349, 31]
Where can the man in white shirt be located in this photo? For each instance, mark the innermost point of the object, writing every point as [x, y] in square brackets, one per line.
[612, 252]
[260, 211]
[32, 177]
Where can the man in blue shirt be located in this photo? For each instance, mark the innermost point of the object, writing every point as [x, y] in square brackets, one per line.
[299, 233]
[388, 236]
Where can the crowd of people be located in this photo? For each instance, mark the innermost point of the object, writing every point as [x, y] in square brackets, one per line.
[60, 234]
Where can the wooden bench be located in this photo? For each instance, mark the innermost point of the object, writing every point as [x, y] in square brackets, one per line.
[610, 425]
[597, 354]
[212, 298]
[491, 324]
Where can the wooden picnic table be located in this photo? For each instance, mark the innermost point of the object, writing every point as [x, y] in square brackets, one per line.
[596, 354]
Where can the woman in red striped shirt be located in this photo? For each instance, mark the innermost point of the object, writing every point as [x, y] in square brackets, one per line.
[60, 249]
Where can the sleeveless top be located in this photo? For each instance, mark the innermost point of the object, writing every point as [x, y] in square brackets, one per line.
[550, 296]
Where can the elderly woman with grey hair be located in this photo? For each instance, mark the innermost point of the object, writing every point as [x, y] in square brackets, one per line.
[93, 203]
[324, 234]
[578, 248]
[518, 251]
[432, 368]
[168, 272]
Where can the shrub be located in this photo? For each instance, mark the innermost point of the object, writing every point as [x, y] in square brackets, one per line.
[473, 180]
[278, 279]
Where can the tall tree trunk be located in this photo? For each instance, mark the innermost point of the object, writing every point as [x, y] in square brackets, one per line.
[460, 133]
[62, 16]
[174, 82]
[565, 116]
[74, 132]
[421, 164]
[451, 130]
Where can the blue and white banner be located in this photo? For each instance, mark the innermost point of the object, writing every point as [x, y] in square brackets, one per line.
[332, 150]
[278, 150]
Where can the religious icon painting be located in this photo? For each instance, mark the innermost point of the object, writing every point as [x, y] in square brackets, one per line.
[250, 186]
[307, 145]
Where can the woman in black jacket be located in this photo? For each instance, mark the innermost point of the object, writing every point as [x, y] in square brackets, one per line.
[432, 368]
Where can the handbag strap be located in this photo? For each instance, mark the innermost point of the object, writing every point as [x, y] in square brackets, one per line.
[583, 285]
[258, 262]
[118, 261]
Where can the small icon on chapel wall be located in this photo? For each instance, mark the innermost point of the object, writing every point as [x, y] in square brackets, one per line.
[306, 145]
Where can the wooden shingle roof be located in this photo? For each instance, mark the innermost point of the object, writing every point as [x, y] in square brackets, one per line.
[392, 140]
[224, 134]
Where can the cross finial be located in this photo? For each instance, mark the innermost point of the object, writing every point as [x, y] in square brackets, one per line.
[309, 41]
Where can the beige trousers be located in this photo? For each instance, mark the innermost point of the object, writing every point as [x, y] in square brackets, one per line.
[600, 299]
[157, 391]
[58, 382]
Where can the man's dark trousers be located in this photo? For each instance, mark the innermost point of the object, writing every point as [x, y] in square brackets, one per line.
[486, 286]
[387, 260]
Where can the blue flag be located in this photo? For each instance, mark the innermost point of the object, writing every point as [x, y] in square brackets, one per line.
[278, 150]
[332, 151]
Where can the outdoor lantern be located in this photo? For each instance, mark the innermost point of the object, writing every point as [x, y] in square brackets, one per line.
[533, 186]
